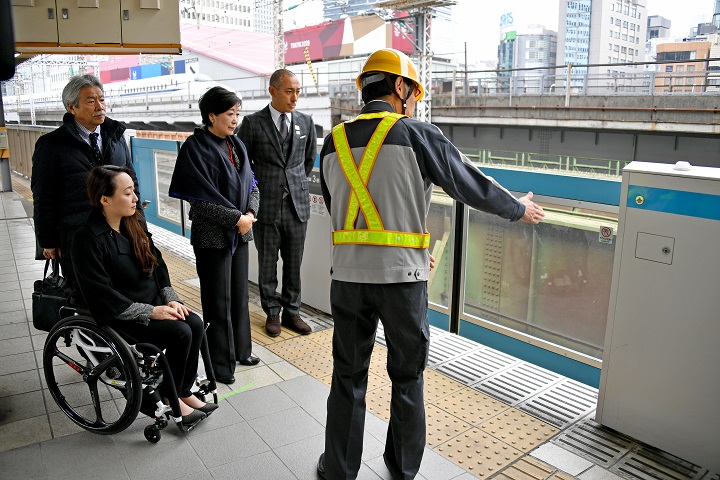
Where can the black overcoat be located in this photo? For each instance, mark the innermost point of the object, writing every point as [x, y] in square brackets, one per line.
[109, 274]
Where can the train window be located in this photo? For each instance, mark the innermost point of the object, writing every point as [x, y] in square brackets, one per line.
[440, 228]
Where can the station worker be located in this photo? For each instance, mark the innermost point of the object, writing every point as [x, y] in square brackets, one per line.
[282, 145]
[126, 285]
[377, 174]
[212, 172]
[62, 161]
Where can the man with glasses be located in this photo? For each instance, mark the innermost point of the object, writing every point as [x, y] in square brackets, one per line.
[377, 172]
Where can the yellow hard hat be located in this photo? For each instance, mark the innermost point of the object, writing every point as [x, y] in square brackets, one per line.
[393, 61]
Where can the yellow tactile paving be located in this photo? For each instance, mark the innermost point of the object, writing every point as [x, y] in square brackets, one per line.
[378, 402]
[471, 406]
[479, 453]
[519, 429]
[319, 365]
[376, 381]
[438, 386]
[441, 426]
[297, 347]
[527, 468]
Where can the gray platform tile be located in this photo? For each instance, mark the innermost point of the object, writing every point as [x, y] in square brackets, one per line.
[436, 467]
[11, 295]
[222, 417]
[561, 459]
[288, 426]
[14, 346]
[18, 316]
[163, 460]
[31, 273]
[265, 466]
[375, 426]
[598, 473]
[21, 407]
[62, 426]
[265, 355]
[84, 455]
[25, 432]
[21, 382]
[261, 402]
[306, 391]
[11, 305]
[465, 476]
[227, 445]
[38, 338]
[14, 330]
[206, 475]
[287, 371]
[20, 362]
[372, 447]
[255, 377]
[301, 457]
[7, 268]
[23, 463]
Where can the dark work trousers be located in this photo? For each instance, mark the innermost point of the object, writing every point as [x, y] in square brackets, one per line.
[224, 296]
[356, 309]
[181, 340]
[286, 236]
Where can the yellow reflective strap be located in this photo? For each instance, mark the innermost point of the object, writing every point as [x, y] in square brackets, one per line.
[358, 176]
[383, 238]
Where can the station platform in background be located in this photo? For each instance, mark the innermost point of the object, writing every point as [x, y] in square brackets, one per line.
[488, 414]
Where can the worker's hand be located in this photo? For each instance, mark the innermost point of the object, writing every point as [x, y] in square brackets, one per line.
[245, 223]
[534, 213]
[165, 312]
[432, 262]
[51, 252]
[180, 308]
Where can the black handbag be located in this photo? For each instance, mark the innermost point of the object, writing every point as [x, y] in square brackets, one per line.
[49, 295]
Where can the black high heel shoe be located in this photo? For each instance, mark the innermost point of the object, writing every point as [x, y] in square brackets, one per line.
[208, 408]
[192, 418]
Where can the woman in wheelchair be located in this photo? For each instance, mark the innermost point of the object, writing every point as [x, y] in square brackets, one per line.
[125, 284]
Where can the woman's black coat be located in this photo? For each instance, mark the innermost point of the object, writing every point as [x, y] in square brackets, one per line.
[108, 273]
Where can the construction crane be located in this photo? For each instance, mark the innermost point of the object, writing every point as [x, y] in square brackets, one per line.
[422, 11]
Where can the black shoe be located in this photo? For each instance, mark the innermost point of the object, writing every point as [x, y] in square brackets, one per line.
[208, 408]
[192, 418]
[321, 466]
[251, 360]
[226, 380]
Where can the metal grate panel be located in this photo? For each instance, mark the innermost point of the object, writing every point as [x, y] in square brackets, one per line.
[477, 365]
[447, 347]
[563, 404]
[596, 443]
[518, 383]
[647, 463]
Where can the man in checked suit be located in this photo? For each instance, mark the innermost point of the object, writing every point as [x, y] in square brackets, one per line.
[281, 144]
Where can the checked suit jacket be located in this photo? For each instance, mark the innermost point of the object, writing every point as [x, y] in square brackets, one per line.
[272, 171]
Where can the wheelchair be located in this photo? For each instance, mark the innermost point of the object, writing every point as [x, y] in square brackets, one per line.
[101, 380]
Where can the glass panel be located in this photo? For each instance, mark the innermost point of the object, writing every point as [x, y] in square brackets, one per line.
[551, 281]
[440, 228]
[168, 208]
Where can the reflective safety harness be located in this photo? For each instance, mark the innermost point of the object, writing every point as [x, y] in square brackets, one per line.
[358, 177]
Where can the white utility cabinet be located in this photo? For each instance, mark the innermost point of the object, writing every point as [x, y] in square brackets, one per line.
[660, 380]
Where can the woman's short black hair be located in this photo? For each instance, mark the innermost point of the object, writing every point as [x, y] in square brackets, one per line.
[217, 100]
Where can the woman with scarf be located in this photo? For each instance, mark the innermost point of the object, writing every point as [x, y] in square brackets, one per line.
[213, 174]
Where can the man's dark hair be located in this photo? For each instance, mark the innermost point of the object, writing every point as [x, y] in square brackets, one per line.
[278, 76]
[375, 90]
[217, 100]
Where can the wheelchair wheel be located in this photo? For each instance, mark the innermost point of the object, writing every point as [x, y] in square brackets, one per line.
[92, 375]
[152, 434]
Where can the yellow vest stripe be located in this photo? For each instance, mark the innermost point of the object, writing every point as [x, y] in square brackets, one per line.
[386, 238]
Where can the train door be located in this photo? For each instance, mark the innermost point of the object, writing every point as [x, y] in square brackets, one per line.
[154, 162]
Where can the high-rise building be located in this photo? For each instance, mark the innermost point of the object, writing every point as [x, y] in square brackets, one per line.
[602, 39]
[657, 27]
[536, 48]
[234, 14]
[264, 21]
